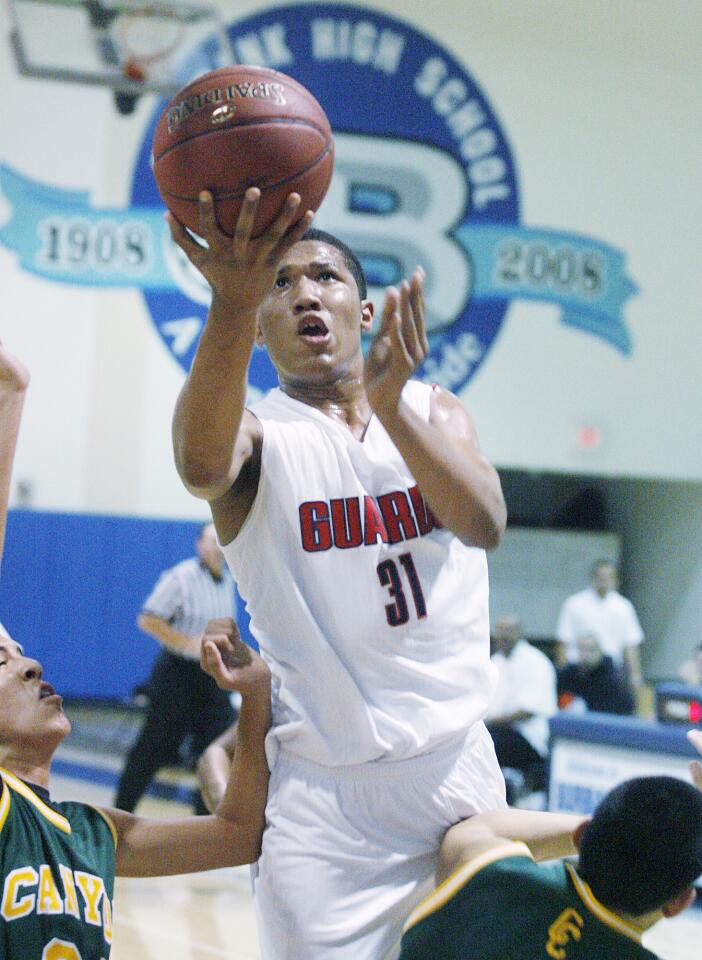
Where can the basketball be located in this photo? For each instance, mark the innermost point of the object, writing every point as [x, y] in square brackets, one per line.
[239, 127]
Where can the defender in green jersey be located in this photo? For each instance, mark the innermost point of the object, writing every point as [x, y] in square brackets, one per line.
[58, 860]
[639, 856]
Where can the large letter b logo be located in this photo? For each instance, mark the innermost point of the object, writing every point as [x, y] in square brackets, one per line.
[395, 202]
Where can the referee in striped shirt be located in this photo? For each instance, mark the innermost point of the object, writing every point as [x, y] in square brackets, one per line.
[182, 698]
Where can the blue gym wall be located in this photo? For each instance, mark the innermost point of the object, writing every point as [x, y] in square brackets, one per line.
[72, 586]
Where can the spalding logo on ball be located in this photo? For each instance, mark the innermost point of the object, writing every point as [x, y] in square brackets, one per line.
[240, 127]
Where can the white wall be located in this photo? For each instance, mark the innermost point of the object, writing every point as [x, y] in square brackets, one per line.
[600, 102]
[662, 561]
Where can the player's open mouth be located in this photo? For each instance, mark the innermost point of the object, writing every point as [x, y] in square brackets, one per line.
[313, 329]
[46, 690]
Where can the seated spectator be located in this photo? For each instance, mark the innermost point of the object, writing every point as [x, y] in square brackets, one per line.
[601, 684]
[524, 699]
[602, 610]
[691, 670]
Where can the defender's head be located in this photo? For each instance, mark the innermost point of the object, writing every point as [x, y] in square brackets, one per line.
[32, 721]
[642, 850]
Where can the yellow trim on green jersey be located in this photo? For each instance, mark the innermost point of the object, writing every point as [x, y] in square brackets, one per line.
[4, 803]
[460, 877]
[20, 787]
[108, 820]
[600, 911]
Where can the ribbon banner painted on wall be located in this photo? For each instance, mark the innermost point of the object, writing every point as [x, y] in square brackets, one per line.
[424, 173]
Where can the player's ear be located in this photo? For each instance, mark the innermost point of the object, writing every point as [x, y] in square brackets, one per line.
[677, 904]
[367, 311]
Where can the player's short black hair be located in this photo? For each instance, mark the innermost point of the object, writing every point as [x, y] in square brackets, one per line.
[643, 845]
[350, 259]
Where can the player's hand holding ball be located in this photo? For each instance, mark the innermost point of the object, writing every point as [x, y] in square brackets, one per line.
[240, 269]
[242, 156]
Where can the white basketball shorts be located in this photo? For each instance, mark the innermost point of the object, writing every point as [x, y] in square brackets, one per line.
[349, 851]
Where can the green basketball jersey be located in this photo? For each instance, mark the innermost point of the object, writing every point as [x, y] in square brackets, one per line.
[57, 868]
[503, 906]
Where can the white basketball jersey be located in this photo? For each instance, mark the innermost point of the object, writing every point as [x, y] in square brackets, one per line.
[372, 618]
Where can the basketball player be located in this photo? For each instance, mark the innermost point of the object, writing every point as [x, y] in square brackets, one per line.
[354, 507]
[638, 859]
[58, 860]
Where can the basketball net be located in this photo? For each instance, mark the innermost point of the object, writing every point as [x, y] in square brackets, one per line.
[146, 41]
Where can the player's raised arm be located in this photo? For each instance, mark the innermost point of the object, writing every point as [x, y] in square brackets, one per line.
[14, 380]
[548, 836]
[212, 434]
[461, 486]
[233, 834]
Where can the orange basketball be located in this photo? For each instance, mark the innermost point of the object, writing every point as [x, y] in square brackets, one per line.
[240, 127]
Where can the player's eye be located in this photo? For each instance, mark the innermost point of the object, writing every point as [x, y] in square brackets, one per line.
[280, 282]
[327, 275]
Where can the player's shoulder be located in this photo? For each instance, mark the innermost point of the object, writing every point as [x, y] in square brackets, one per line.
[419, 389]
[274, 405]
[16, 792]
[492, 867]
[92, 823]
[503, 881]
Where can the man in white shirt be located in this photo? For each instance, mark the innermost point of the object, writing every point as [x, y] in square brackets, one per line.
[524, 699]
[602, 611]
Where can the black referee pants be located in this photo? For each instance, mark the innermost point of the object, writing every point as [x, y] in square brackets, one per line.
[182, 700]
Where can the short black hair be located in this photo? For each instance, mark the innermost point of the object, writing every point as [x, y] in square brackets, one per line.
[350, 259]
[643, 845]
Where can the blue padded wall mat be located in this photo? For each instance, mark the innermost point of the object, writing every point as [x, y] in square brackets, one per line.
[72, 586]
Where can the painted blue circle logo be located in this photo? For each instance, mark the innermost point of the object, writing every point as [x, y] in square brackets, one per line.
[423, 174]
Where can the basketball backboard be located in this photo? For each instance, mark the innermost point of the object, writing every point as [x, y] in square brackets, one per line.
[132, 46]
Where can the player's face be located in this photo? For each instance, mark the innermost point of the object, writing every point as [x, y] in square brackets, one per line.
[31, 712]
[312, 319]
